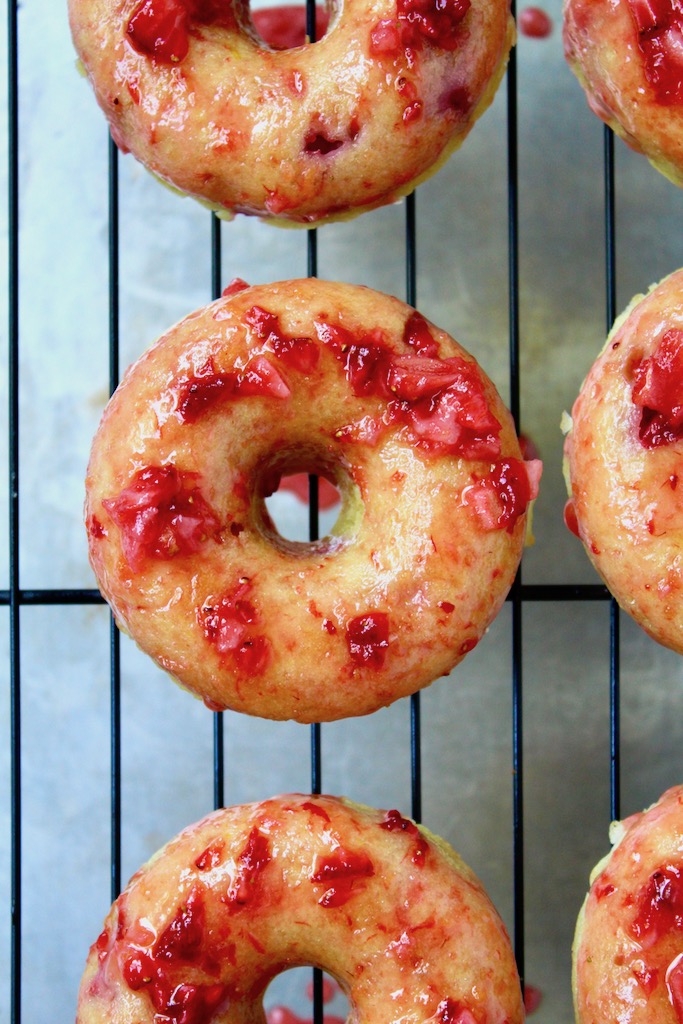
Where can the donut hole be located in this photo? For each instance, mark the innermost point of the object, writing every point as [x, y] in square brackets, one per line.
[307, 506]
[291, 996]
[282, 26]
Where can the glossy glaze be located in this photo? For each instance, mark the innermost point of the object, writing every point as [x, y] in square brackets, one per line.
[298, 135]
[201, 930]
[420, 449]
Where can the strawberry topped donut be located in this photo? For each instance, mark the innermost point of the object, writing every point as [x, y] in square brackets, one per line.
[336, 380]
[628, 947]
[302, 134]
[389, 910]
[627, 55]
[624, 460]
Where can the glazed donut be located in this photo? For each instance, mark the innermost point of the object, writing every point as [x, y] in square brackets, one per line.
[627, 959]
[303, 135]
[627, 56]
[386, 908]
[624, 461]
[333, 379]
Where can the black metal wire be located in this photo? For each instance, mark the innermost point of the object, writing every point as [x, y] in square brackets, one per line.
[218, 717]
[13, 382]
[611, 312]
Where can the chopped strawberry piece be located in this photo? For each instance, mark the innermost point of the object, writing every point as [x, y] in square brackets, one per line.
[414, 377]
[260, 377]
[340, 872]
[432, 21]
[452, 1011]
[674, 984]
[417, 334]
[159, 28]
[182, 937]
[367, 638]
[235, 286]
[251, 862]
[231, 625]
[659, 24]
[503, 495]
[659, 907]
[658, 392]
[385, 38]
[161, 514]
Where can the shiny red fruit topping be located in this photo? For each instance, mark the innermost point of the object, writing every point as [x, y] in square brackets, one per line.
[674, 984]
[659, 908]
[432, 21]
[570, 518]
[417, 334]
[298, 353]
[395, 822]
[231, 626]
[158, 971]
[251, 862]
[212, 856]
[161, 514]
[452, 1011]
[503, 495]
[658, 392]
[442, 401]
[659, 24]
[284, 27]
[201, 393]
[340, 872]
[159, 28]
[367, 638]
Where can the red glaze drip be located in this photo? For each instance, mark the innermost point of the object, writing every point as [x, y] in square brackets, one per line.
[534, 23]
[95, 528]
[501, 497]
[647, 977]
[417, 334]
[161, 514]
[283, 28]
[212, 856]
[659, 27]
[447, 607]
[155, 970]
[367, 637]
[231, 626]
[533, 998]
[659, 906]
[658, 392]
[442, 401]
[316, 809]
[298, 353]
[198, 395]
[254, 858]
[238, 284]
[340, 872]
[570, 520]
[395, 822]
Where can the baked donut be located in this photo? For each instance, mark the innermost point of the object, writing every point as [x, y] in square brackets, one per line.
[624, 462]
[333, 379]
[627, 954]
[303, 135]
[386, 908]
[627, 56]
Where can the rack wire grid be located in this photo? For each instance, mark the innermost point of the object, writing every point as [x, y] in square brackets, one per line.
[523, 247]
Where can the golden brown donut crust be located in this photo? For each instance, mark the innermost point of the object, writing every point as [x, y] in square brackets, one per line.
[382, 905]
[297, 136]
[427, 543]
[627, 947]
[624, 493]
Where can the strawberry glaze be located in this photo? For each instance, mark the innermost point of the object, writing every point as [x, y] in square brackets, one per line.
[658, 392]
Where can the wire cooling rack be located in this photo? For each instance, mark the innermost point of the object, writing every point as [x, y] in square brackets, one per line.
[558, 597]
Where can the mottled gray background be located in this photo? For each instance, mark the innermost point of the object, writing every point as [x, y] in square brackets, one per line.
[166, 735]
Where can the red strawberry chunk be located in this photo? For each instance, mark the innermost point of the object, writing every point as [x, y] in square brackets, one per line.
[159, 28]
[161, 514]
[503, 495]
[659, 24]
[658, 392]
